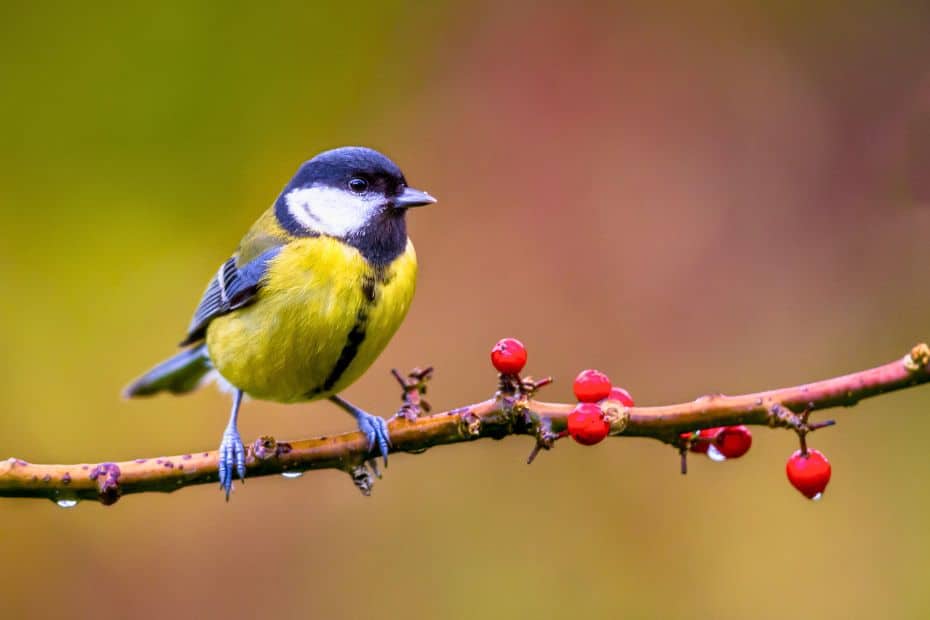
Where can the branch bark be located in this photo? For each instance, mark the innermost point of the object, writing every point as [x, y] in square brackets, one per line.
[513, 411]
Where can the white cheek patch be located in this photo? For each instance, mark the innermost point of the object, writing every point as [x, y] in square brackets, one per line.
[329, 210]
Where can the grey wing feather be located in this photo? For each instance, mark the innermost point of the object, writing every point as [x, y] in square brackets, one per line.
[232, 287]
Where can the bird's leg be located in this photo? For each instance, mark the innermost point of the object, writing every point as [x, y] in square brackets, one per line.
[374, 427]
[232, 452]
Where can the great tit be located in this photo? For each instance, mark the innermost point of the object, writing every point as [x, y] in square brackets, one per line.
[317, 288]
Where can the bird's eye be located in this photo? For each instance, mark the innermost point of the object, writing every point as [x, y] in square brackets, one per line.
[358, 185]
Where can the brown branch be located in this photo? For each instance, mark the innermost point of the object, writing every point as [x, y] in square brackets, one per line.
[513, 411]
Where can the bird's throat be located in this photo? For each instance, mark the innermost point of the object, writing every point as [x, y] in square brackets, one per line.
[382, 239]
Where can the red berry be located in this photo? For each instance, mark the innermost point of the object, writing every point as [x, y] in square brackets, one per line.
[591, 386]
[508, 356]
[809, 473]
[621, 395]
[586, 424]
[704, 439]
[733, 441]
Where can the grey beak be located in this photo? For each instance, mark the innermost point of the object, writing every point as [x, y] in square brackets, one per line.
[413, 198]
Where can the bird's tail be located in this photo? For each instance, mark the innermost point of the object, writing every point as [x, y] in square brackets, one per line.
[180, 374]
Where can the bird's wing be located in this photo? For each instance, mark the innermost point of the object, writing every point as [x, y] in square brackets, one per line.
[232, 287]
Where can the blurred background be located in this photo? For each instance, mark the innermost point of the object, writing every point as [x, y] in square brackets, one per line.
[725, 198]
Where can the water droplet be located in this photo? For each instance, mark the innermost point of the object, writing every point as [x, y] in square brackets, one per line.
[714, 454]
[67, 503]
[292, 474]
[817, 497]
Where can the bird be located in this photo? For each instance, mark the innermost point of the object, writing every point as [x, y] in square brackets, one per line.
[315, 291]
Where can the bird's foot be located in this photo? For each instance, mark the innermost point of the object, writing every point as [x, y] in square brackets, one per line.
[375, 429]
[231, 458]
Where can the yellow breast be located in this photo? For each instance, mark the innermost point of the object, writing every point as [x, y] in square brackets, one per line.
[323, 315]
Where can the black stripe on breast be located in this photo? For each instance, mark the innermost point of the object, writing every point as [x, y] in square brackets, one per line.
[370, 289]
[353, 341]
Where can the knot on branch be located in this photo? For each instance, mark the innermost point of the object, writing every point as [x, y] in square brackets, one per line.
[363, 476]
[471, 421]
[514, 395]
[107, 477]
[918, 358]
[11, 463]
[617, 415]
[266, 447]
[781, 416]
[545, 439]
[414, 388]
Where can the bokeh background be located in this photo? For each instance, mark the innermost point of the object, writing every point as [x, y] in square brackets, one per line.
[726, 198]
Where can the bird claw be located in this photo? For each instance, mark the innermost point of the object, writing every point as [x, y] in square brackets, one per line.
[231, 455]
[375, 429]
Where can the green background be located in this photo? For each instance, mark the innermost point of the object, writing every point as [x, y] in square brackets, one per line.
[727, 199]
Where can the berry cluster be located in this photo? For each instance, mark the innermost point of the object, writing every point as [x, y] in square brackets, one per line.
[808, 470]
[586, 423]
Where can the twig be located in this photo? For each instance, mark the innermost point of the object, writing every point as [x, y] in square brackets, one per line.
[512, 413]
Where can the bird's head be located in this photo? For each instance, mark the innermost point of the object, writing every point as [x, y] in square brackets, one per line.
[351, 193]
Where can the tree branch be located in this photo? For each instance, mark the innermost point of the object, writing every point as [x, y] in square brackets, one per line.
[513, 411]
